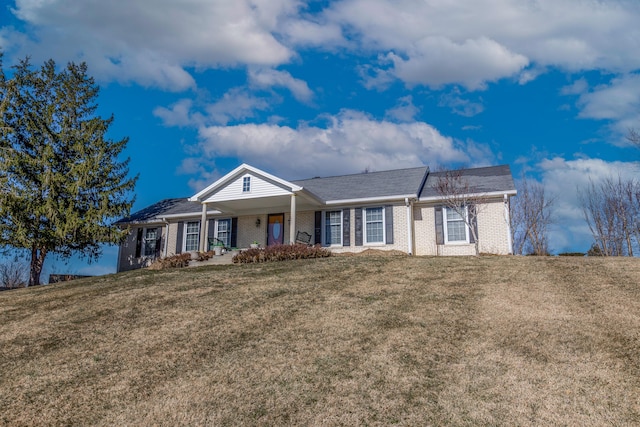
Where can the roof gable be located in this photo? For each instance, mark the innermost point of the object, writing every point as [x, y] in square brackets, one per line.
[233, 186]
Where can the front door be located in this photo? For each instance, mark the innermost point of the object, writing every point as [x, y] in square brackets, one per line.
[275, 230]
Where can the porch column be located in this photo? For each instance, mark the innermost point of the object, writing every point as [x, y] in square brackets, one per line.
[292, 223]
[203, 229]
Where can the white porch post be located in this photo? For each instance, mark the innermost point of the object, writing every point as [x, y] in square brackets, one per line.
[203, 229]
[292, 224]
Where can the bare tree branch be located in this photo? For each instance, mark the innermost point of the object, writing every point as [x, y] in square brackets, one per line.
[530, 216]
[611, 210]
[459, 195]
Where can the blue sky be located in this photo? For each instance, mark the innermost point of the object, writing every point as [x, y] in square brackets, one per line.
[301, 89]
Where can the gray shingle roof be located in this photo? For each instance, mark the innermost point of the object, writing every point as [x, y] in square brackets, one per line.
[163, 207]
[399, 182]
[482, 180]
[393, 183]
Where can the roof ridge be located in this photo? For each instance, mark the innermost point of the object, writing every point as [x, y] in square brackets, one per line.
[362, 173]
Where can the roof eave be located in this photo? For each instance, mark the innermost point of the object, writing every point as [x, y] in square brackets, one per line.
[394, 198]
[486, 194]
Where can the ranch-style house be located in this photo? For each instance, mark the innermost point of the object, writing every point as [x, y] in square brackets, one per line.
[388, 210]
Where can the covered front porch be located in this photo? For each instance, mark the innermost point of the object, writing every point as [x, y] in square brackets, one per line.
[259, 207]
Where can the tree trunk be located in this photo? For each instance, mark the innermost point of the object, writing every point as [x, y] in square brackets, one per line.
[37, 261]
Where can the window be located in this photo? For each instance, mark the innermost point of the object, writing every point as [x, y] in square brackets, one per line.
[455, 228]
[333, 228]
[191, 236]
[224, 231]
[246, 184]
[374, 225]
[150, 241]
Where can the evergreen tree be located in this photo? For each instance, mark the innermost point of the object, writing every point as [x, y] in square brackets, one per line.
[62, 184]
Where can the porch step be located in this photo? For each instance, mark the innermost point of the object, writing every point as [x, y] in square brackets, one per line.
[215, 260]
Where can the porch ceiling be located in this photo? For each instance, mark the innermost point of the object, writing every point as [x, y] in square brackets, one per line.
[271, 204]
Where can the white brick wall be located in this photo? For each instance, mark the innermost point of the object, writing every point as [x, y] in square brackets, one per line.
[492, 231]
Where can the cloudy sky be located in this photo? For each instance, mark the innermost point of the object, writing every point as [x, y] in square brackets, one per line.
[306, 88]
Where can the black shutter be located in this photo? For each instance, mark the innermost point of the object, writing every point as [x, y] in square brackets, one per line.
[179, 237]
[139, 243]
[211, 229]
[474, 223]
[388, 217]
[439, 226]
[358, 224]
[317, 228]
[346, 227]
[234, 232]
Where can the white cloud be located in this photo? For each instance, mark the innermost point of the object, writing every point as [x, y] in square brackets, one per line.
[405, 111]
[179, 114]
[472, 42]
[267, 78]
[436, 61]
[350, 142]
[459, 105]
[152, 41]
[618, 101]
[562, 178]
[436, 42]
[578, 87]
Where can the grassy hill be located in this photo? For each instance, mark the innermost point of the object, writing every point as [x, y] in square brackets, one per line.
[360, 340]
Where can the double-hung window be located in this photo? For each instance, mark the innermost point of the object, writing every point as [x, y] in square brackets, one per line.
[246, 184]
[224, 231]
[374, 225]
[150, 241]
[333, 228]
[192, 232]
[455, 227]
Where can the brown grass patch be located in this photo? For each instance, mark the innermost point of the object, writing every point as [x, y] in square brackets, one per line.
[371, 340]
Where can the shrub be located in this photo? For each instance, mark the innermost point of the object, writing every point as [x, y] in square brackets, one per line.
[571, 254]
[175, 261]
[281, 253]
[595, 250]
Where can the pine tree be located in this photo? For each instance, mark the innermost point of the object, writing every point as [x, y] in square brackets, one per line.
[62, 184]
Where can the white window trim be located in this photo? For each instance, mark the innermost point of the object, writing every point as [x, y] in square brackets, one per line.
[143, 248]
[246, 178]
[324, 227]
[216, 229]
[364, 227]
[446, 233]
[184, 235]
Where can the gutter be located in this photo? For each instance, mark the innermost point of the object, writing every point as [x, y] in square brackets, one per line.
[369, 199]
[480, 194]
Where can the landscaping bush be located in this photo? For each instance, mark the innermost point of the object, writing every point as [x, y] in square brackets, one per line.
[281, 253]
[175, 261]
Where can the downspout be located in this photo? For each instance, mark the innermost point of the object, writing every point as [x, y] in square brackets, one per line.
[507, 217]
[408, 204]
